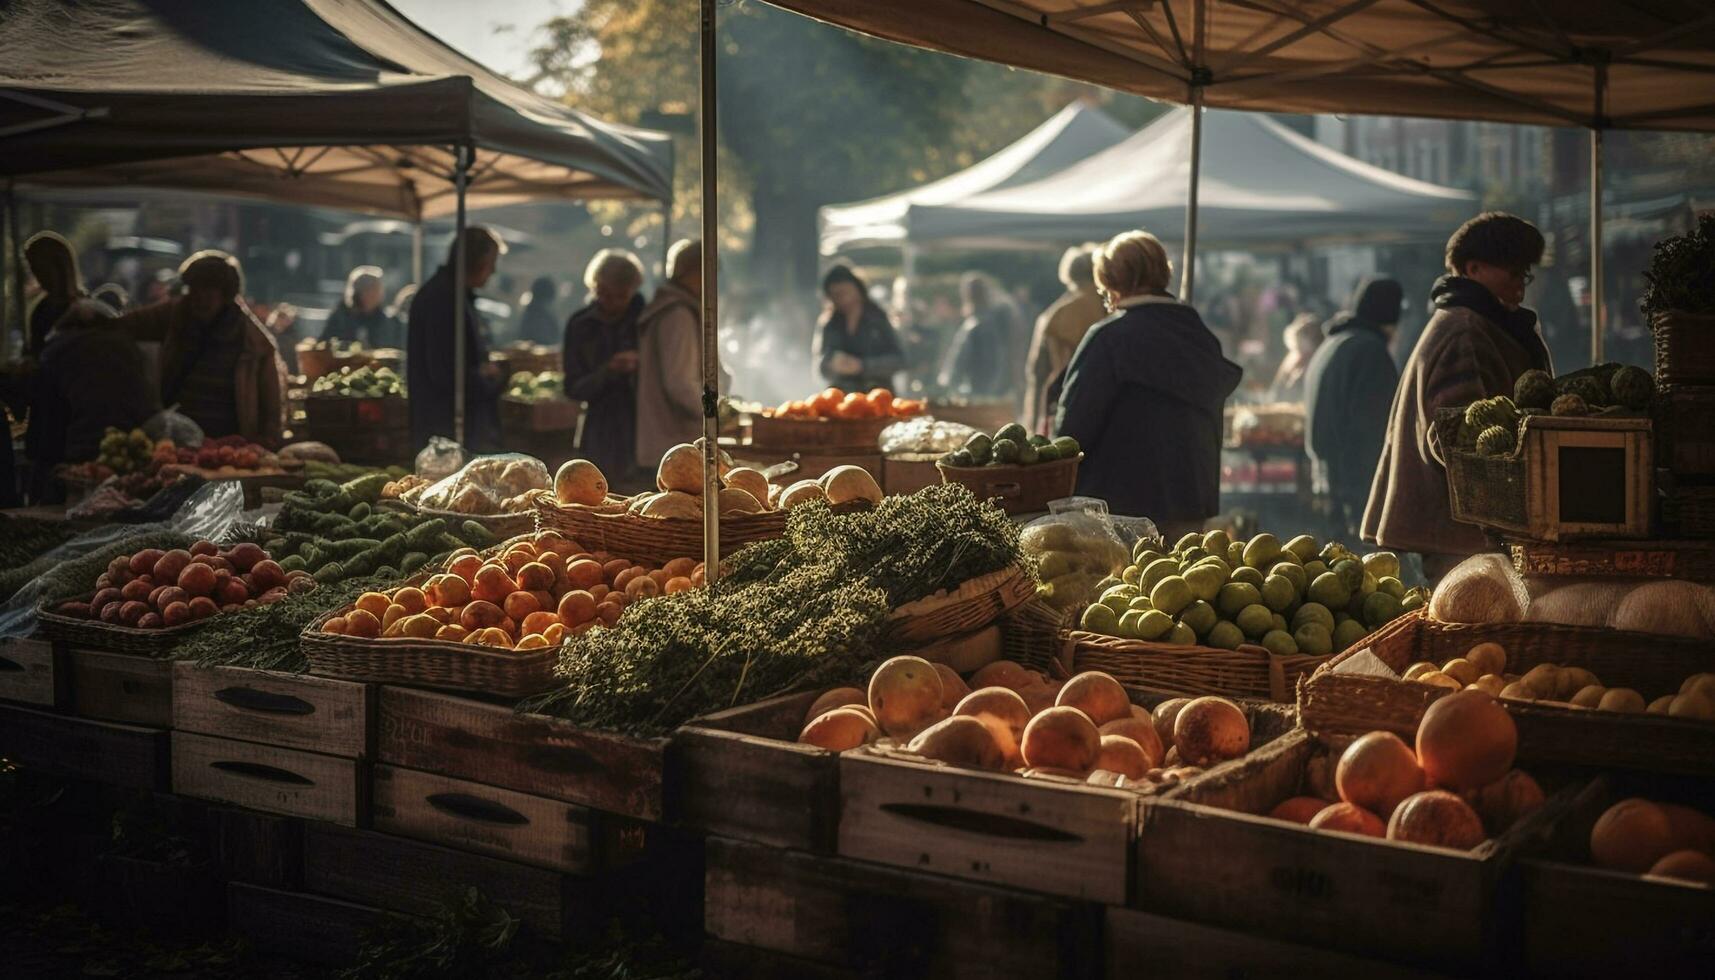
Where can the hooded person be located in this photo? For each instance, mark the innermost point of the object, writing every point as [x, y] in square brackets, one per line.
[91, 376]
[1476, 344]
[1348, 391]
[431, 353]
[670, 358]
[53, 264]
[538, 324]
[218, 365]
[1144, 395]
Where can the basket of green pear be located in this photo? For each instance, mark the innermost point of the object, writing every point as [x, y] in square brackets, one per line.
[1237, 618]
[1022, 471]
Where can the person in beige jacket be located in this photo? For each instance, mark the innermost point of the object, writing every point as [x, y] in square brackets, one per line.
[1059, 330]
[670, 359]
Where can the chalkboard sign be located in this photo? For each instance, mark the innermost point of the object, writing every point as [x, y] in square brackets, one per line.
[1592, 485]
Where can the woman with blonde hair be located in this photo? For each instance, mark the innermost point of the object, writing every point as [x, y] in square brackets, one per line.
[1144, 394]
[599, 355]
[53, 264]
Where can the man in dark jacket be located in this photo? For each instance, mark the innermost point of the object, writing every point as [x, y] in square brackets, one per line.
[985, 358]
[1348, 389]
[91, 376]
[1479, 341]
[430, 353]
[599, 355]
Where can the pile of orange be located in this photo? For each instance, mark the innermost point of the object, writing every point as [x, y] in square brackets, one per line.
[832, 403]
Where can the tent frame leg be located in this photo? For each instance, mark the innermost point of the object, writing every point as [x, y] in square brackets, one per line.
[417, 252]
[710, 301]
[461, 172]
[1200, 77]
[16, 244]
[1598, 327]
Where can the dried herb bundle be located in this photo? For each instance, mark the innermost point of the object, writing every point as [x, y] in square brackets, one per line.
[1681, 275]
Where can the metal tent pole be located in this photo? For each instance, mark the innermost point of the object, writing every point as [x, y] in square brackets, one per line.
[666, 232]
[711, 306]
[1597, 325]
[417, 251]
[461, 170]
[1199, 78]
[17, 252]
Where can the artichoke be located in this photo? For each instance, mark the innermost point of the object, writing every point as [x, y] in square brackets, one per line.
[1570, 405]
[1591, 389]
[1496, 440]
[1632, 387]
[1534, 389]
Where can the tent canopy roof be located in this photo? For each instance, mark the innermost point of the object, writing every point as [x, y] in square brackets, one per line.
[1261, 183]
[1072, 134]
[341, 103]
[1520, 61]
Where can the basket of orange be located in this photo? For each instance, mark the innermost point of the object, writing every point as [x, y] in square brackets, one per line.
[834, 420]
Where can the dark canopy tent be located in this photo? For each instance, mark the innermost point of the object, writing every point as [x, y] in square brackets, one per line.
[1262, 184]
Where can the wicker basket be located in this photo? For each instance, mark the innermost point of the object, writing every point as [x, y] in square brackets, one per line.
[1334, 704]
[768, 432]
[1021, 489]
[1691, 560]
[92, 634]
[1248, 672]
[1689, 510]
[1685, 427]
[1487, 490]
[1032, 635]
[1684, 348]
[983, 600]
[654, 540]
[903, 473]
[499, 525]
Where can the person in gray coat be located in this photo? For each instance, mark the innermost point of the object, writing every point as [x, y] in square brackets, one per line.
[1348, 391]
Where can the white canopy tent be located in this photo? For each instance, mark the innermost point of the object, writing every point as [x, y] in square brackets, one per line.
[1070, 135]
[1262, 184]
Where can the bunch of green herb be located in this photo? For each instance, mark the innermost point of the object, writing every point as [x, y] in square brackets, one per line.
[803, 611]
[1681, 275]
[265, 637]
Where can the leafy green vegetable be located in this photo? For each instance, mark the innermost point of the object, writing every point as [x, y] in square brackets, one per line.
[1681, 275]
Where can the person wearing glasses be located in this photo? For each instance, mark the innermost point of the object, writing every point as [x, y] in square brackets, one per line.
[1144, 395]
[1478, 341]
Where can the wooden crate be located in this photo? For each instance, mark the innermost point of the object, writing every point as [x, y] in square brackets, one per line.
[121, 687]
[1584, 921]
[256, 848]
[269, 778]
[1050, 835]
[299, 926]
[1659, 558]
[78, 748]
[32, 673]
[1207, 852]
[909, 472]
[888, 922]
[294, 711]
[538, 415]
[1138, 942]
[487, 741]
[471, 816]
[407, 876]
[816, 436]
[1570, 478]
[741, 773]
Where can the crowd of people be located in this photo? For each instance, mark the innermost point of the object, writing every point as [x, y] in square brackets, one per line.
[1117, 361]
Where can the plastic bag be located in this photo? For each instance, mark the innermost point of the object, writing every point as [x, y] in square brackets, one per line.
[168, 424]
[925, 435]
[441, 458]
[1073, 551]
[208, 514]
[487, 485]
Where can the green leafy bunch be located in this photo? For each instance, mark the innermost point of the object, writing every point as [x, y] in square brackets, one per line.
[1681, 276]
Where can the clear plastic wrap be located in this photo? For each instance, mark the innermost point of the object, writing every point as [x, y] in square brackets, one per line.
[1073, 551]
[925, 435]
[441, 458]
[497, 484]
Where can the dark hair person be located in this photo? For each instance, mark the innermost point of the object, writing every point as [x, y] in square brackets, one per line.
[1144, 395]
[1477, 343]
[537, 324]
[1348, 393]
[430, 351]
[91, 375]
[856, 345]
[53, 264]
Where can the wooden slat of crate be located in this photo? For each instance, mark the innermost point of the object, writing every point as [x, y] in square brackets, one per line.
[408, 876]
[269, 778]
[887, 922]
[31, 673]
[1201, 861]
[997, 828]
[720, 960]
[741, 773]
[303, 927]
[490, 743]
[298, 711]
[474, 817]
[257, 848]
[1583, 921]
[78, 748]
[1141, 944]
[121, 687]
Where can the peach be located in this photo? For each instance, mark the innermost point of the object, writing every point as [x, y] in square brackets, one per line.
[1003, 704]
[609, 612]
[1001, 673]
[1437, 818]
[1140, 731]
[953, 687]
[1686, 865]
[1350, 818]
[412, 598]
[451, 631]
[1376, 772]
[960, 741]
[1124, 756]
[335, 624]
[534, 576]
[677, 585]
[1164, 715]
[448, 590]
[555, 634]
[1210, 730]
[392, 614]
[1095, 694]
[839, 730]
[358, 622]
[642, 587]
[481, 614]
[374, 602]
[518, 605]
[538, 621]
[905, 695]
[839, 697]
[1061, 738]
[577, 607]
[1298, 809]
[1507, 800]
[465, 567]
[1466, 740]
[1632, 835]
[680, 567]
[584, 574]
[493, 584]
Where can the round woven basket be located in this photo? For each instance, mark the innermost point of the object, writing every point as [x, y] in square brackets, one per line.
[656, 540]
[1248, 672]
[92, 634]
[970, 607]
[499, 525]
[816, 435]
[1020, 489]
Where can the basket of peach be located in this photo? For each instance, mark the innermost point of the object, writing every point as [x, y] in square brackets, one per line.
[832, 420]
[492, 622]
